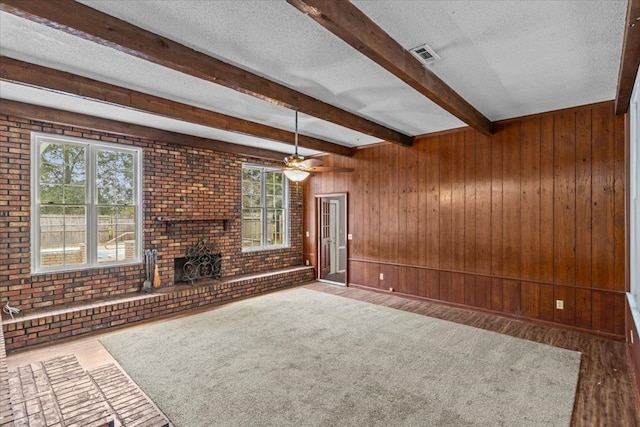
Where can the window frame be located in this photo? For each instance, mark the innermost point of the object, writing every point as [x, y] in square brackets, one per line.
[634, 196]
[91, 202]
[286, 207]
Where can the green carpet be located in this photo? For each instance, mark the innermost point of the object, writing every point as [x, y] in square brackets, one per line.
[305, 358]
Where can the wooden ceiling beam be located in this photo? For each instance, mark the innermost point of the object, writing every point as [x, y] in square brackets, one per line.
[347, 22]
[630, 60]
[20, 72]
[90, 24]
[67, 118]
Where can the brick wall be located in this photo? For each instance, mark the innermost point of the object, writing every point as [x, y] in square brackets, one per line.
[190, 183]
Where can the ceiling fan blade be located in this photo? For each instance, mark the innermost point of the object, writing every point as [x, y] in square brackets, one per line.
[310, 163]
[329, 169]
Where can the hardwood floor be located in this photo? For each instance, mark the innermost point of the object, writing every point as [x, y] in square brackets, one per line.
[604, 396]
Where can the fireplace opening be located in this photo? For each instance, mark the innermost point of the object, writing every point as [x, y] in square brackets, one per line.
[201, 262]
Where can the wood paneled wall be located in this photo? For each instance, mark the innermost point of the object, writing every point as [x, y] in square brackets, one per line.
[508, 223]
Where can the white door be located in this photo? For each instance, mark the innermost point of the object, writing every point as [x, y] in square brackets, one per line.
[333, 229]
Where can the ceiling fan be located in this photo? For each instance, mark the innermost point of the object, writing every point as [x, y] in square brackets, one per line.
[297, 168]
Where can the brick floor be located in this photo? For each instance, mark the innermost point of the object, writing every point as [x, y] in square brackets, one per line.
[59, 393]
[132, 407]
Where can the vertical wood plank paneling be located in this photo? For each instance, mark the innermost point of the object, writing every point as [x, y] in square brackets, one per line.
[457, 215]
[356, 273]
[423, 202]
[433, 200]
[538, 206]
[496, 294]
[583, 201]
[583, 308]
[446, 232]
[483, 292]
[391, 276]
[361, 244]
[445, 286]
[603, 306]
[309, 218]
[408, 278]
[547, 226]
[483, 204]
[372, 275]
[424, 283]
[386, 180]
[393, 201]
[567, 294]
[403, 241]
[530, 299]
[619, 206]
[603, 198]
[619, 304]
[408, 244]
[530, 190]
[433, 284]
[470, 247]
[354, 204]
[497, 183]
[511, 225]
[565, 199]
[546, 303]
[511, 297]
[376, 200]
[470, 182]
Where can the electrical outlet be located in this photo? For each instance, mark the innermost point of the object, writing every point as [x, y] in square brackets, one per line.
[381, 276]
[559, 304]
[349, 236]
[306, 261]
[390, 289]
[307, 234]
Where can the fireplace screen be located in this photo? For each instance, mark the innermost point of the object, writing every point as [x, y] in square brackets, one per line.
[201, 262]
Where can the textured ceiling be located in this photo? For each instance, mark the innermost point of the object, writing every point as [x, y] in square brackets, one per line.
[506, 58]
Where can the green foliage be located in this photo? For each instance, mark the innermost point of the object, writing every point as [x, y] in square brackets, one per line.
[263, 199]
[63, 177]
[62, 174]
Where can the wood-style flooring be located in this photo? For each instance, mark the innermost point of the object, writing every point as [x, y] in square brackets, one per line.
[604, 397]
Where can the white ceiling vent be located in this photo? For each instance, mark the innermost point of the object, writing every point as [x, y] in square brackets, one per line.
[424, 54]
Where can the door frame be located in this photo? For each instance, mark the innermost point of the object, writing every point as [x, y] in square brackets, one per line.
[344, 220]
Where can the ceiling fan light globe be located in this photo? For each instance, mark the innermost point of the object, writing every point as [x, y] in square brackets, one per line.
[295, 175]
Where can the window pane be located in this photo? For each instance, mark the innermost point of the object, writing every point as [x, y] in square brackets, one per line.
[251, 228]
[62, 174]
[116, 234]
[275, 227]
[114, 177]
[51, 194]
[264, 211]
[63, 236]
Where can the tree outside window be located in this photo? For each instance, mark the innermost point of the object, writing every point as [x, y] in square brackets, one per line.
[87, 203]
[264, 208]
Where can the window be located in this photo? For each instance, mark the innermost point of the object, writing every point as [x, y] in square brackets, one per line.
[86, 203]
[634, 161]
[264, 208]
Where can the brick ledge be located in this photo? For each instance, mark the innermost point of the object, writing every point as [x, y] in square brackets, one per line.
[47, 325]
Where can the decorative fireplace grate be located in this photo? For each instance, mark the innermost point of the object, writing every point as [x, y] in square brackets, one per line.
[202, 262]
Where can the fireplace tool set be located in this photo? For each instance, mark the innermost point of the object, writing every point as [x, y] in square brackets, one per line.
[152, 279]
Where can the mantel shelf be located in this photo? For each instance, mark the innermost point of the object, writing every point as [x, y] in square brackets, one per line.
[170, 220]
[192, 218]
